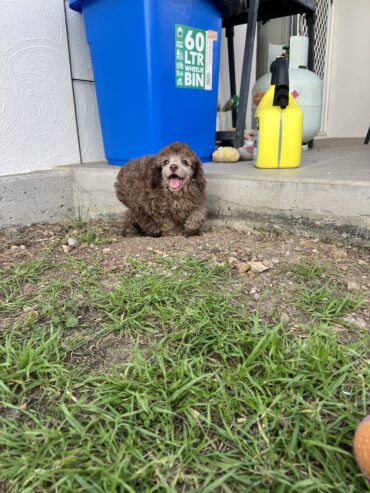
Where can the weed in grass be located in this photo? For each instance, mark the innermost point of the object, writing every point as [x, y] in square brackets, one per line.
[13, 281]
[160, 301]
[81, 219]
[309, 270]
[88, 231]
[324, 304]
[320, 297]
[32, 295]
[94, 235]
[28, 364]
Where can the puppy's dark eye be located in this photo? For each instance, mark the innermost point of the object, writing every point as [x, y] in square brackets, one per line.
[166, 161]
[185, 162]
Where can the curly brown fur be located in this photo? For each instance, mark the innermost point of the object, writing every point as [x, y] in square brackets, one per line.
[164, 194]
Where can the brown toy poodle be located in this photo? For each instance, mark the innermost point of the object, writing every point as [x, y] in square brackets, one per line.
[164, 194]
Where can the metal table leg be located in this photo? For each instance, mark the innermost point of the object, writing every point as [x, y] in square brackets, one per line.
[310, 18]
[246, 72]
[231, 56]
[367, 138]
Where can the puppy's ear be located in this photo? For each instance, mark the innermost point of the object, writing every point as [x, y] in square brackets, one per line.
[199, 176]
[155, 174]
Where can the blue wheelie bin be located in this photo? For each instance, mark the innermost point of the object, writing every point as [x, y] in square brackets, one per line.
[156, 66]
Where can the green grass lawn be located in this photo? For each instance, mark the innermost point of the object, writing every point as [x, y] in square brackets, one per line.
[159, 379]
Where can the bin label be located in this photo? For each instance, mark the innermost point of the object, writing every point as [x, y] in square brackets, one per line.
[194, 57]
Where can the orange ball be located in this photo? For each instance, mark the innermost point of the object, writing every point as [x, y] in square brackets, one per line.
[361, 446]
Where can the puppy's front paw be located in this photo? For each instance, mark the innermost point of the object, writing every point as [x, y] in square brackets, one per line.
[128, 232]
[171, 229]
[195, 222]
[192, 232]
[172, 232]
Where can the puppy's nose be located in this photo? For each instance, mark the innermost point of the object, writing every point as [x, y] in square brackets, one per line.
[174, 167]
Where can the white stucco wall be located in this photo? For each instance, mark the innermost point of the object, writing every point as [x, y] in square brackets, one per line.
[348, 113]
[37, 120]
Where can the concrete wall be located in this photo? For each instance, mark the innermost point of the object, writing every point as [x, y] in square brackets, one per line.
[348, 113]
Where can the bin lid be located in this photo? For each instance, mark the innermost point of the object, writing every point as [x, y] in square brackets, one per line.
[75, 5]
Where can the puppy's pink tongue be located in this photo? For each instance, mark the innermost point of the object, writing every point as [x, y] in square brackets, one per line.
[175, 182]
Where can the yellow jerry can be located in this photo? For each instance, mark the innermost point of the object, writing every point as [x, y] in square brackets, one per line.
[279, 123]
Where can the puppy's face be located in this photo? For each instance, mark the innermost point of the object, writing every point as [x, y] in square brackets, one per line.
[178, 164]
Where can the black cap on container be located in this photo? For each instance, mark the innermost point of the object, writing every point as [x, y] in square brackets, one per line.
[280, 79]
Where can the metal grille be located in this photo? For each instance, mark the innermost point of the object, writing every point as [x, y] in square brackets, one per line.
[321, 34]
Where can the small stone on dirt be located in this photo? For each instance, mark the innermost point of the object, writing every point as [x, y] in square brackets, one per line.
[65, 248]
[106, 250]
[284, 317]
[160, 253]
[356, 320]
[352, 286]
[243, 267]
[72, 242]
[258, 267]
[338, 253]
[232, 261]
[28, 309]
